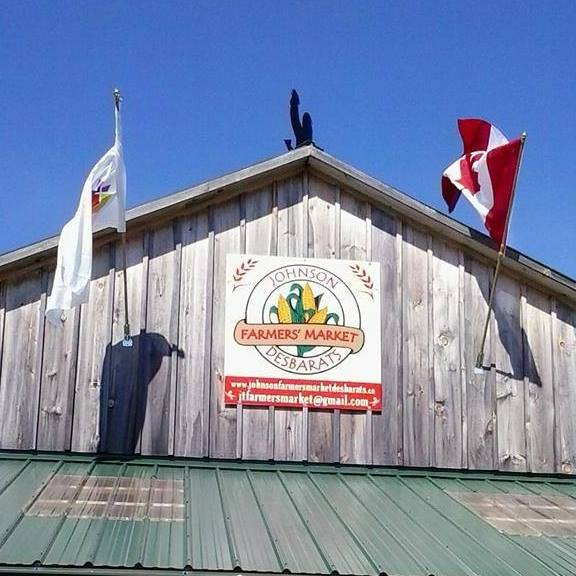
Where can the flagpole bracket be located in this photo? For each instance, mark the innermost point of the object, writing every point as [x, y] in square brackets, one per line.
[127, 341]
[482, 369]
[479, 368]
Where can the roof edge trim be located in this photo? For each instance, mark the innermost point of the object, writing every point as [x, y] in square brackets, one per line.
[285, 466]
[345, 175]
[450, 228]
[289, 160]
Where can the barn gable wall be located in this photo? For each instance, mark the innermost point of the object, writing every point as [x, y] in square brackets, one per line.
[76, 388]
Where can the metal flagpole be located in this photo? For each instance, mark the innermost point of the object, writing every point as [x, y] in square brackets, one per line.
[501, 253]
[127, 340]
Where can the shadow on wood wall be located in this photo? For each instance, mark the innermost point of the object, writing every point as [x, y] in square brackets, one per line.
[126, 377]
[515, 341]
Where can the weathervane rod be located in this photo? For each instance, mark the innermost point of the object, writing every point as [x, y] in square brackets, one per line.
[501, 254]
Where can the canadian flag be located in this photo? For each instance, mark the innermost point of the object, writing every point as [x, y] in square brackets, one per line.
[485, 174]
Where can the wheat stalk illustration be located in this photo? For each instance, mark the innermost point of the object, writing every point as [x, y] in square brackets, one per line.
[364, 277]
[243, 269]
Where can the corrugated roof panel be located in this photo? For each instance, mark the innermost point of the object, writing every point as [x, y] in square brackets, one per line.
[367, 523]
[81, 532]
[520, 508]
[245, 524]
[154, 514]
[478, 542]
[557, 553]
[208, 544]
[552, 491]
[564, 488]
[297, 550]
[37, 532]
[123, 542]
[166, 538]
[411, 496]
[420, 543]
[326, 528]
[9, 470]
[15, 499]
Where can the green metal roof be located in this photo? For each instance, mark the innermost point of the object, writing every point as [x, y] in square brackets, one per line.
[79, 514]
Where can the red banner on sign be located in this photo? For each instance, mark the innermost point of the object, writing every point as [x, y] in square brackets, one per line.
[288, 393]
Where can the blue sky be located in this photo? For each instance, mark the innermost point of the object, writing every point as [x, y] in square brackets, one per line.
[206, 87]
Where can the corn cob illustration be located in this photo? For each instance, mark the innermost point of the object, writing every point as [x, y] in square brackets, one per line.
[300, 306]
[283, 310]
[319, 317]
[308, 302]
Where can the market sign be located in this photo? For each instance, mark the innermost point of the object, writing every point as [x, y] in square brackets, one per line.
[302, 332]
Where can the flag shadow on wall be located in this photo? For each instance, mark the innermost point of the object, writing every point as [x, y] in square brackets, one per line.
[127, 375]
[512, 335]
[515, 341]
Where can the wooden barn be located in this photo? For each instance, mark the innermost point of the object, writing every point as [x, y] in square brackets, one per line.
[147, 460]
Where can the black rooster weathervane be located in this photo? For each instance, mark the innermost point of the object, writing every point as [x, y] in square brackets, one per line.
[302, 130]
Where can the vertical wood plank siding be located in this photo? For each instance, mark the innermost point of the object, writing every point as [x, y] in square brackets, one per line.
[159, 359]
[417, 384]
[290, 426]
[324, 199]
[564, 354]
[19, 384]
[193, 390]
[75, 387]
[355, 446]
[225, 222]
[387, 425]
[57, 382]
[125, 393]
[261, 238]
[92, 373]
[446, 347]
[480, 405]
[538, 381]
[509, 376]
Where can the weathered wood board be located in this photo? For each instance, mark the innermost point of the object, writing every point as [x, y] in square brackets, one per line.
[509, 376]
[261, 238]
[59, 363]
[480, 407]
[225, 224]
[2, 320]
[416, 345]
[122, 425]
[75, 387]
[538, 381]
[387, 425]
[92, 375]
[446, 344]
[355, 244]
[22, 350]
[564, 355]
[193, 390]
[323, 242]
[159, 352]
[291, 426]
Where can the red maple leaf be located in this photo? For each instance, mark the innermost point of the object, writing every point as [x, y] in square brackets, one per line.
[469, 176]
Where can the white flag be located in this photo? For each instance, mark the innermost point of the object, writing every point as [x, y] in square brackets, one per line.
[102, 205]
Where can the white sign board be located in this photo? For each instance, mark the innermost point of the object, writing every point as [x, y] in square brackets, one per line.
[302, 332]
